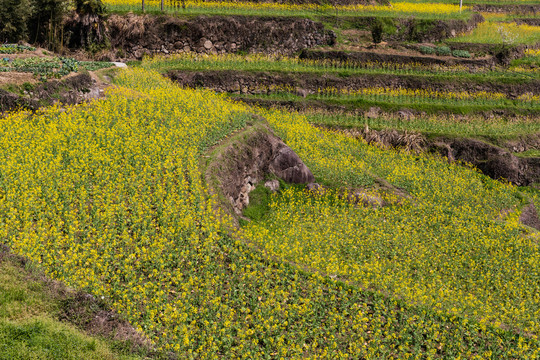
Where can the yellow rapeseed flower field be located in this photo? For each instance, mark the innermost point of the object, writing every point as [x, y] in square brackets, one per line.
[448, 247]
[109, 198]
[404, 7]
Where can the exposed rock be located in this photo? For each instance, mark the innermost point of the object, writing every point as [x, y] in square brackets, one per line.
[254, 154]
[373, 113]
[242, 200]
[529, 217]
[272, 185]
[289, 167]
[367, 199]
[314, 186]
[494, 161]
[406, 114]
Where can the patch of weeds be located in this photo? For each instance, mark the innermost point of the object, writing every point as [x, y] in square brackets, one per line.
[529, 153]
[261, 198]
[27, 86]
[259, 203]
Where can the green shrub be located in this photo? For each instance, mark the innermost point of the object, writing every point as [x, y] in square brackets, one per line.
[377, 31]
[461, 53]
[427, 50]
[443, 50]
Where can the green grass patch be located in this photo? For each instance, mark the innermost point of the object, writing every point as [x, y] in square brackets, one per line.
[29, 328]
[529, 153]
[259, 203]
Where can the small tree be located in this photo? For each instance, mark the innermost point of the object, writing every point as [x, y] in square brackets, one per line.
[377, 31]
[508, 37]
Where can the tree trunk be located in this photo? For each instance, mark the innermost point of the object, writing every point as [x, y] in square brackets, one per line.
[143, 5]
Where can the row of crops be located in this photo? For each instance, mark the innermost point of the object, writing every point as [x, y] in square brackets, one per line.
[111, 200]
[15, 48]
[49, 67]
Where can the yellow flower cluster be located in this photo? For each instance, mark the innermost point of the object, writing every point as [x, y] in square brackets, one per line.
[404, 7]
[408, 7]
[109, 197]
[532, 52]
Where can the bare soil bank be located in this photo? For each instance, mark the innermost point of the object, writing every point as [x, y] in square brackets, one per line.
[363, 57]
[494, 161]
[71, 90]
[238, 82]
[405, 29]
[514, 8]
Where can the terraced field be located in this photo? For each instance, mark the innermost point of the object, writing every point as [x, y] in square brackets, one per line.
[115, 230]
[365, 199]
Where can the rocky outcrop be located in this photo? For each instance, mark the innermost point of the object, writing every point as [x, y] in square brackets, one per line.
[133, 36]
[249, 158]
[494, 161]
